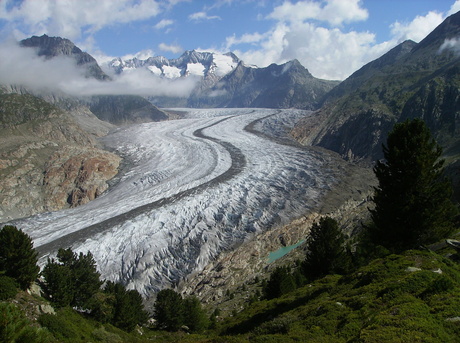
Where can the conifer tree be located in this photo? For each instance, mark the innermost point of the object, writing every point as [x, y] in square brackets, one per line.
[128, 310]
[169, 310]
[281, 282]
[86, 278]
[18, 258]
[195, 317]
[413, 200]
[59, 285]
[72, 279]
[326, 250]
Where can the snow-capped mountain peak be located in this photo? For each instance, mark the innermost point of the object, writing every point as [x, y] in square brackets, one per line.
[192, 62]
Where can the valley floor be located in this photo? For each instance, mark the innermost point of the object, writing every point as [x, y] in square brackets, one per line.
[190, 189]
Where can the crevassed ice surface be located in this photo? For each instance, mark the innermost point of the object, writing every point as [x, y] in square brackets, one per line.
[188, 190]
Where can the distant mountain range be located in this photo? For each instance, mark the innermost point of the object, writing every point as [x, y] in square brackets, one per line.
[226, 81]
[208, 65]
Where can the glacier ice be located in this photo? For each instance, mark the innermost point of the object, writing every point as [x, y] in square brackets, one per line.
[189, 189]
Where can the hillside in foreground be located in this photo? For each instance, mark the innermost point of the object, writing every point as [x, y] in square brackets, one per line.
[412, 297]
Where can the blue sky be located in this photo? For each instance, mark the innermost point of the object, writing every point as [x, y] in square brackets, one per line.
[331, 38]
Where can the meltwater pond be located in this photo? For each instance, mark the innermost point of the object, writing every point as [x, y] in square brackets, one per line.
[274, 255]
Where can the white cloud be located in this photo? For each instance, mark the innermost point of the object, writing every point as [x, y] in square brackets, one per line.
[171, 48]
[21, 66]
[454, 8]
[74, 18]
[327, 53]
[164, 23]
[141, 55]
[335, 12]
[451, 44]
[247, 38]
[418, 28]
[313, 32]
[201, 16]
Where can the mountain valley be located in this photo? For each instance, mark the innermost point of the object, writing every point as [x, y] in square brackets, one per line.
[193, 190]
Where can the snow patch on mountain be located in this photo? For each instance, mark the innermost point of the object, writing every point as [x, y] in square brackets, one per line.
[199, 63]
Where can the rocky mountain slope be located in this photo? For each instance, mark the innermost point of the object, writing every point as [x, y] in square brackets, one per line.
[47, 161]
[412, 80]
[277, 86]
[50, 47]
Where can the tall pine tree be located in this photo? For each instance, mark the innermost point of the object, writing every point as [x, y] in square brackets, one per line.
[169, 310]
[326, 250]
[413, 200]
[18, 258]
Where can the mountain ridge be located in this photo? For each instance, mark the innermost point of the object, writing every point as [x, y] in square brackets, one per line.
[50, 47]
[409, 81]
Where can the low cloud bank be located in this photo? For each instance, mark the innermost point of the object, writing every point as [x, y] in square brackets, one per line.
[452, 44]
[22, 67]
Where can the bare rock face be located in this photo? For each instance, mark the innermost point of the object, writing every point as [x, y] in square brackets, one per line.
[50, 159]
[75, 176]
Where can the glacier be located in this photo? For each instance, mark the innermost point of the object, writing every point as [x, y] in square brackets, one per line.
[188, 190]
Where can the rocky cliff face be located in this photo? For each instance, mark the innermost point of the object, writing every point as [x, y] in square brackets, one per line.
[74, 176]
[48, 161]
[412, 80]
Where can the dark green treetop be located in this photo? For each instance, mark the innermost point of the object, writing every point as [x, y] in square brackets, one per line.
[326, 250]
[18, 258]
[127, 309]
[72, 279]
[281, 281]
[169, 310]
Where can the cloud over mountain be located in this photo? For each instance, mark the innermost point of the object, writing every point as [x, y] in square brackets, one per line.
[21, 66]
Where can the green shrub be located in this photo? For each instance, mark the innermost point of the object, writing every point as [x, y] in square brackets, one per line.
[58, 326]
[12, 322]
[8, 288]
[102, 335]
[439, 285]
[279, 325]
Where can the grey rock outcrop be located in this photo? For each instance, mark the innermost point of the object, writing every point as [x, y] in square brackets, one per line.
[48, 161]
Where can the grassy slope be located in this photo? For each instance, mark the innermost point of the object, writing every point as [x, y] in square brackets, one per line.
[382, 302]
[414, 297]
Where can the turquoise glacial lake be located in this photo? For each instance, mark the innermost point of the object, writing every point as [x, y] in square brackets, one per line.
[274, 255]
